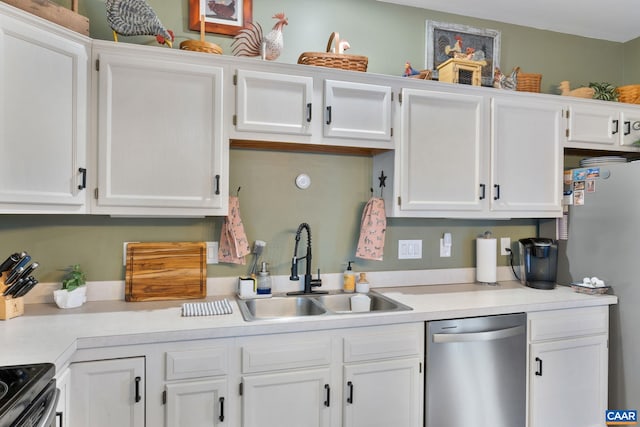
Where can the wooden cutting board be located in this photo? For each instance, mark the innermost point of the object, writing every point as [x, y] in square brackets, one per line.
[166, 271]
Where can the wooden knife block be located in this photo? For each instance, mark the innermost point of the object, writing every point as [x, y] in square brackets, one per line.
[9, 307]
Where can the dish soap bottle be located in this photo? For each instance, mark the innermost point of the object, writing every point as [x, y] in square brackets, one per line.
[349, 279]
[363, 284]
[264, 281]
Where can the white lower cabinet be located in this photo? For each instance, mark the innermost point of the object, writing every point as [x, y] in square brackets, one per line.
[383, 394]
[108, 393]
[196, 403]
[568, 362]
[287, 399]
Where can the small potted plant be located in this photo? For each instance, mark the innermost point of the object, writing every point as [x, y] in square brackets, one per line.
[73, 292]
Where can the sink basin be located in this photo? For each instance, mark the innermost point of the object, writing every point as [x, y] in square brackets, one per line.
[291, 307]
[341, 303]
[279, 308]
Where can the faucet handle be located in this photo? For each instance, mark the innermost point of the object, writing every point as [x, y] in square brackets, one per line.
[316, 282]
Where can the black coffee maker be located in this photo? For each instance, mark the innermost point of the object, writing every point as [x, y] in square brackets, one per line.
[538, 262]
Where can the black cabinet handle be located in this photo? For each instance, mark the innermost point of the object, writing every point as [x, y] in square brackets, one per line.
[350, 398]
[497, 188]
[483, 188]
[83, 171]
[59, 416]
[309, 113]
[327, 402]
[539, 370]
[615, 127]
[221, 417]
[217, 184]
[329, 115]
[138, 397]
[627, 128]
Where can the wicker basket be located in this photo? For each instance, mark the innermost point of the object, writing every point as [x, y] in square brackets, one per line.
[201, 45]
[629, 94]
[527, 82]
[334, 60]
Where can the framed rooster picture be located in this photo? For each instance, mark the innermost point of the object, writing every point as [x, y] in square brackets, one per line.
[445, 41]
[225, 17]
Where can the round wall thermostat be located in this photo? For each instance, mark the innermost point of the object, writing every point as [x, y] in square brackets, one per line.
[303, 181]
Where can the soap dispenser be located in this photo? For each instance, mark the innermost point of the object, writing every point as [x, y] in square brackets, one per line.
[264, 281]
[349, 279]
[362, 286]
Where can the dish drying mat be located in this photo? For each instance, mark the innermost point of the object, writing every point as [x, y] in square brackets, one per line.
[208, 308]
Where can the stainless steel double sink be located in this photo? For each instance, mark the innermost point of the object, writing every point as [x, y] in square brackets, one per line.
[292, 307]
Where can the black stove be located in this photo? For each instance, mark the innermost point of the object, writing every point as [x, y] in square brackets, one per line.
[21, 388]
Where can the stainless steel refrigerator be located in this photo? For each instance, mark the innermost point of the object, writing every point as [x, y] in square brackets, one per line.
[604, 241]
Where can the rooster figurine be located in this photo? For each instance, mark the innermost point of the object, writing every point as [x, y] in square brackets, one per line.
[251, 42]
[136, 18]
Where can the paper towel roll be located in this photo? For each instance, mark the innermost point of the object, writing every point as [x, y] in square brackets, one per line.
[486, 260]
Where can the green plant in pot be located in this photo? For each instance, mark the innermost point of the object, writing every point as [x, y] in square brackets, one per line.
[604, 91]
[73, 292]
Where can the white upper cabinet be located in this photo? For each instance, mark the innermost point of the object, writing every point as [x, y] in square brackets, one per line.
[441, 153]
[600, 126]
[43, 116]
[160, 149]
[464, 155]
[273, 102]
[526, 157]
[357, 110]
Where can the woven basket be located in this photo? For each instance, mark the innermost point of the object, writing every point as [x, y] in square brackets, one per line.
[629, 94]
[334, 60]
[201, 45]
[527, 82]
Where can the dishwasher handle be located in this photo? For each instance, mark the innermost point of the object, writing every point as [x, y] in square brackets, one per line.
[479, 336]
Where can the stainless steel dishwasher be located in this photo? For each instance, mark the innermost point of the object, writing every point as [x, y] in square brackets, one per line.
[476, 372]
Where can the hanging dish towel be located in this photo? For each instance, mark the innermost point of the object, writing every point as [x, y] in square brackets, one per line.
[233, 240]
[372, 228]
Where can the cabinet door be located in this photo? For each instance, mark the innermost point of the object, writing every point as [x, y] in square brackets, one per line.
[287, 399]
[386, 393]
[43, 119]
[108, 393]
[357, 110]
[594, 125]
[526, 157]
[160, 148]
[273, 103]
[442, 165]
[630, 128]
[568, 381]
[197, 403]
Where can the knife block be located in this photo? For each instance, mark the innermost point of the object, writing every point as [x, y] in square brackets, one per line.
[9, 307]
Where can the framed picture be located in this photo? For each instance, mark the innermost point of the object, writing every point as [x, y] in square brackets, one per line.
[225, 17]
[443, 40]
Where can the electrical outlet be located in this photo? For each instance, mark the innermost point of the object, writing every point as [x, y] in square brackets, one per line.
[409, 249]
[124, 252]
[212, 252]
[505, 243]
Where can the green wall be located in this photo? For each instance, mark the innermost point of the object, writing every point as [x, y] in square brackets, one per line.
[271, 205]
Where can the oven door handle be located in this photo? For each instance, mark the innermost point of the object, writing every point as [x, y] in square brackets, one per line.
[50, 411]
[479, 336]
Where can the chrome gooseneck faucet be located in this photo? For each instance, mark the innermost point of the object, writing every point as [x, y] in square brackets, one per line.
[309, 282]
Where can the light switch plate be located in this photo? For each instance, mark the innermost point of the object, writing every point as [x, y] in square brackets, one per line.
[212, 252]
[445, 250]
[124, 252]
[409, 249]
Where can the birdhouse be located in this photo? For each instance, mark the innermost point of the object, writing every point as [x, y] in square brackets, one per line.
[463, 71]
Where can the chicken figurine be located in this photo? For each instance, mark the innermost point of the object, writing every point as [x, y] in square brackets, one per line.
[501, 81]
[136, 18]
[251, 42]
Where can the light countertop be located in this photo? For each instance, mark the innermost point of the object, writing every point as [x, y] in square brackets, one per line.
[48, 334]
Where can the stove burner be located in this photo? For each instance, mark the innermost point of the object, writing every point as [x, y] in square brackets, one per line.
[3, 389]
